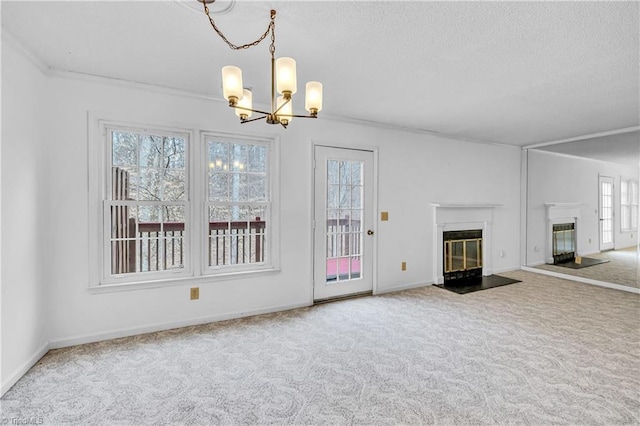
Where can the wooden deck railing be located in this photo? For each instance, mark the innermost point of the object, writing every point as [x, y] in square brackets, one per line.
[153, 256]
[246, 242]
[235, 242]
[160, 246]
[343, 237]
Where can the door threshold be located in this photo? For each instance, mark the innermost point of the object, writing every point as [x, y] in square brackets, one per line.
[345, 297]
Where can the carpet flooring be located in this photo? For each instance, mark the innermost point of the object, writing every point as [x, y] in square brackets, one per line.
[544, 351]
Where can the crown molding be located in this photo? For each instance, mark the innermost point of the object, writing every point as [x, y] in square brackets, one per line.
[96, 78]
[8, 38]
[585, 137]
[73, 75]
[415, 130]
[577, 157]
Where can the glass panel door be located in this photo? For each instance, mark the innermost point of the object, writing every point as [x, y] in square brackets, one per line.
[343, 222]
[606, 213]
[344, 219]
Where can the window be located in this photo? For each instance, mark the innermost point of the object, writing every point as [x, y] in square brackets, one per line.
[165, 213]
[147, 202]
[238, 204]
[628, 205]
[625, 205]
[633, 194]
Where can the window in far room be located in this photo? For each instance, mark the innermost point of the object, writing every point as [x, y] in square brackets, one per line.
[628, 205]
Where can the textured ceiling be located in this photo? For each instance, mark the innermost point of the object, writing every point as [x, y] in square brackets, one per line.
[517, 73]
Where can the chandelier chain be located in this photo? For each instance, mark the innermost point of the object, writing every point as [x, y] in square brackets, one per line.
[272, 47]
[270, 29]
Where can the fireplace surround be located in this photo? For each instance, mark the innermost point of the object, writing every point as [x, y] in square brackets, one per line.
[567, 214]
[462, 217]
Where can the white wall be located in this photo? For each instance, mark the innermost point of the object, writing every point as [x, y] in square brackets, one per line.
[414, 170]
[564, 179]
[25, 222]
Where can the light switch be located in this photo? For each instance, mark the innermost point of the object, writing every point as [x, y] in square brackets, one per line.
[384, 216]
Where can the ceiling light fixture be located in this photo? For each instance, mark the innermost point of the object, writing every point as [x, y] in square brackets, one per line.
[283, 79]
[220, 7]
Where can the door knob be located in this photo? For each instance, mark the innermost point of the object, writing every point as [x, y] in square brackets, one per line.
[369, 232]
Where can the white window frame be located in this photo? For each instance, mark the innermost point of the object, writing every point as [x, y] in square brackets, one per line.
[99, 188]
[196, 270]
[634, 195]
[631, 204]
[273, 219]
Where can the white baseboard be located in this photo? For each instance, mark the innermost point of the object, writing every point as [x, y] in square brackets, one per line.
[507, 269]
[582, 280]
[134, 331]
[22, 370]
[402, 287]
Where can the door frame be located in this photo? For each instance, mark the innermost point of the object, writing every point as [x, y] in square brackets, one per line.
[613, 210]
[312, 191]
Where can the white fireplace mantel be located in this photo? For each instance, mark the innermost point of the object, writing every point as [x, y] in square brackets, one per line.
[464, 205]
[562, 210]
[460, 217]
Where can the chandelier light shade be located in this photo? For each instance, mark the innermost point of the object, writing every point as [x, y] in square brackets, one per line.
[232, 83]
[285, 110]
[283, 80]
[243, 110]
[286, 82]
[313, 97]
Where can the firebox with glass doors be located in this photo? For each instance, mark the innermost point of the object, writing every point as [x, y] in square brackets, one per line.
[462, 255]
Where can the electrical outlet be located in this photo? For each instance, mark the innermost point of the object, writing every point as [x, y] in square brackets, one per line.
[404, 266]
[195, 293]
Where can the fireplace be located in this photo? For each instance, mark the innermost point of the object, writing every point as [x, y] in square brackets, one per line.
[462, 255]
[474, 222]
[563, 242]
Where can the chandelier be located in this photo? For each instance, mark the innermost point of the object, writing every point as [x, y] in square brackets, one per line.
[283, 80]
